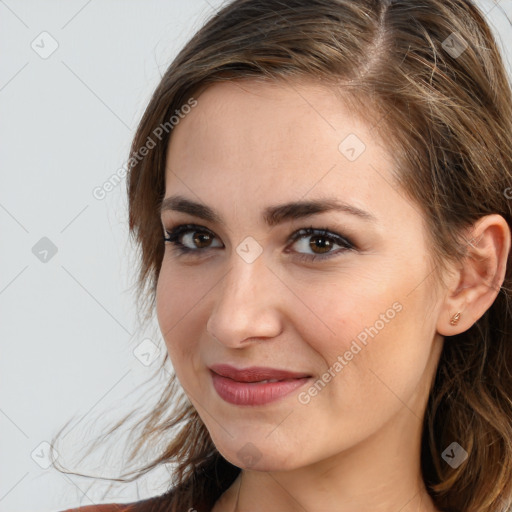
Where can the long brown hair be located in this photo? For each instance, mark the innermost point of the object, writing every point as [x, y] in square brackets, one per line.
[430, 77]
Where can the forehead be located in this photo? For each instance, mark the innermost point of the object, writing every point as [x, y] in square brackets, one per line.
[260, 142]
[277, 115]
[277, 128]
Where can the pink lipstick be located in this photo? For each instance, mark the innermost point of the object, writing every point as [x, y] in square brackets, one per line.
[255, 385]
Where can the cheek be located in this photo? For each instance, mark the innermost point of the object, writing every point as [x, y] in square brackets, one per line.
[337, 308]
[178, 297]
[372, 335]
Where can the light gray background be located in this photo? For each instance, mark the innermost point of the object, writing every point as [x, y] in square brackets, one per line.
[68, 326]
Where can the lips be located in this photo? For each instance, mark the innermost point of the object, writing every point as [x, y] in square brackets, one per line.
[255, 385]
[255, 373]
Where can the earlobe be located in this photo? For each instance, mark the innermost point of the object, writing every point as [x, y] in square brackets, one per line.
[454, 320]
[476, 284]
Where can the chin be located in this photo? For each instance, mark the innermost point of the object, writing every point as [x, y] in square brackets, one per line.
[258, 455]
[264, 463]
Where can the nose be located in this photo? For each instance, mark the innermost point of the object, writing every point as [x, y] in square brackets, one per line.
[246, 304]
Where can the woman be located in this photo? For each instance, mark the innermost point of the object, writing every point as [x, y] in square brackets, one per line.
[320, 191]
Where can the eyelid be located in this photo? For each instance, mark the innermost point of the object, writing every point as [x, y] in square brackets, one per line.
[326, 232]
[346, 244]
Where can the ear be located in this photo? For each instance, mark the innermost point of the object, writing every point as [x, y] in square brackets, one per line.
[474, 286]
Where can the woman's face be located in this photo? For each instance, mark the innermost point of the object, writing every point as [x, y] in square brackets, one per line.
[351, 313]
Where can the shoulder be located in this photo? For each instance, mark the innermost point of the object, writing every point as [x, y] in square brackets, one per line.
[149, 504]
[108, 507]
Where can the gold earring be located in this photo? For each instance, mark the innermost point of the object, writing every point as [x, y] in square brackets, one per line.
[455, 318]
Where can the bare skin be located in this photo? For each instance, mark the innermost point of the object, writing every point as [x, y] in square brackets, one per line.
[354, 444]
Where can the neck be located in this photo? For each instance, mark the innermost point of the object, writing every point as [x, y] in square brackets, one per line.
[381, 474]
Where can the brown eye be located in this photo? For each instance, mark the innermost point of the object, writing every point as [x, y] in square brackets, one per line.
[203, 239]
[189, 238]
[312, 244]
[196, 240]
[320, 242]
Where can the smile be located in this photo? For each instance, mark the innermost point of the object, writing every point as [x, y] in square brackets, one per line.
[254, 386]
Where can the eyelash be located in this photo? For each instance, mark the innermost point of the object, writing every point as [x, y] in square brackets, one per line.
[175, 233]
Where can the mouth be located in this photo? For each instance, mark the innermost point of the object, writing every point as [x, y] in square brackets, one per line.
[255, 385]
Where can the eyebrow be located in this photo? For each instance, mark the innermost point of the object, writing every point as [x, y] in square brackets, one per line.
[272, 215]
